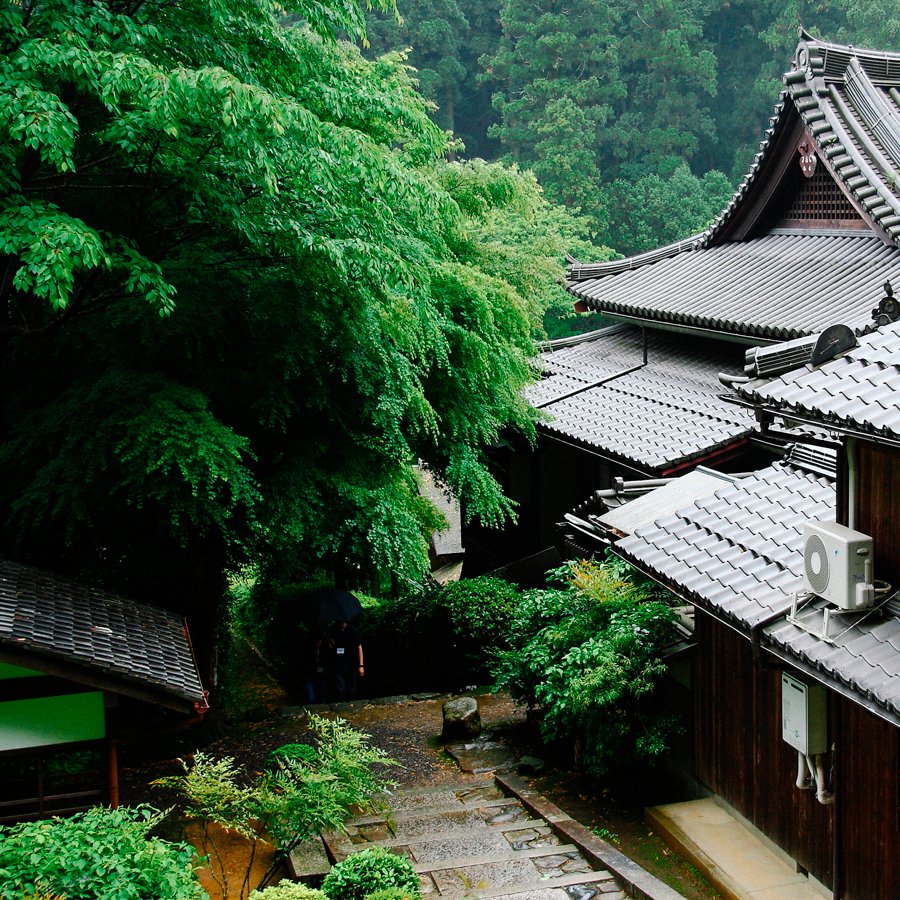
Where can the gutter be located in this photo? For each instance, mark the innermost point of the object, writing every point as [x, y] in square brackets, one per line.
[600, 381]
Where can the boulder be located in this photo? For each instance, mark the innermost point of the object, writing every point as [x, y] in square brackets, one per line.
[461, 719]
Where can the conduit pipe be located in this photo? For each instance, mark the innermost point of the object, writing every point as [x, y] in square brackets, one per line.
[852, 482]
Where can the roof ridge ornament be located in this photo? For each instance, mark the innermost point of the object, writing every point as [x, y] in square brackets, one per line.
[808, 159]
[888, 309]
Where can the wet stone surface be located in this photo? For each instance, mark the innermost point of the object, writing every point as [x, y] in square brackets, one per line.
[483, 843]
[482, 756]
[479, 794]
[485, 877]
[504, 814]
[406, 802]
[562, 864]
[532, 838]
[443, 823]
[582, 892]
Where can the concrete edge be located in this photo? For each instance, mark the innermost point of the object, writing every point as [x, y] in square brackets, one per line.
[685, 846]
[636, 880]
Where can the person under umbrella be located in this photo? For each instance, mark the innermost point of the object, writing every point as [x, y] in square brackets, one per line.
[348, 661]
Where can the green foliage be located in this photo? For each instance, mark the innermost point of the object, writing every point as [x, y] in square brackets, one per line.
[327, 318]
[480, 612]
[363, 873]
[101, 854]
[589, 656]
[287, 890]
[306, 790]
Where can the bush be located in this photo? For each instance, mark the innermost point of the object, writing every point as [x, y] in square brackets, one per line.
[369, 871]
[101, 854]
[288, 890]
[590, 656]
[481, 610]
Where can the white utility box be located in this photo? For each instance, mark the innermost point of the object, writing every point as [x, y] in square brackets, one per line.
[804, 723]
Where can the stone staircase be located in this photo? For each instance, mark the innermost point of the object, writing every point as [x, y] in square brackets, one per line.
[479, 841]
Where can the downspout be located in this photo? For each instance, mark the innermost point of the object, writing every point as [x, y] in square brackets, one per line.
[852, 482]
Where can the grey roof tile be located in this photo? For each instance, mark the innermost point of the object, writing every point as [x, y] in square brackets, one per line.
[738, 551]
[859, 390]
[54, 617]
[848, 99]
[663, 414]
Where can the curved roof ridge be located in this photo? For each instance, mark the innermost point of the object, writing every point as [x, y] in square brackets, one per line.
[831, 59]
[851, 133]
[579, 271]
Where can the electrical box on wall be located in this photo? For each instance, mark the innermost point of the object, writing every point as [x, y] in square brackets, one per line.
[804, 722]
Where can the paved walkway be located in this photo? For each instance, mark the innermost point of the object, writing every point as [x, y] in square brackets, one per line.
[497, 839]
[728, 854]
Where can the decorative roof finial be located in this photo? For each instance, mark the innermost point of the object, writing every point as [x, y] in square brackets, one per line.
[888, 309]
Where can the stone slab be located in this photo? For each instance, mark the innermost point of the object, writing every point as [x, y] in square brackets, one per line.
[427, 826]
[485, 876]
[480, 758]
[728, 853]
[638, 881]
[439, 848]
[309, 859]
[463, 860]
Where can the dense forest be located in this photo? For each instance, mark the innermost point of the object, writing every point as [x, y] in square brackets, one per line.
[642, 117]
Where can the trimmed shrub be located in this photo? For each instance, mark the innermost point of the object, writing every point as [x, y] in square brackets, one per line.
[369, 871]
[288, 890]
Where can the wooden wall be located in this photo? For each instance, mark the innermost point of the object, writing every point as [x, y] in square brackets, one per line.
[879, 506]
[740, 754]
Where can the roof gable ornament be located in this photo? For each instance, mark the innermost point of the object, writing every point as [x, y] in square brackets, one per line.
[808, 158]
[888, 309]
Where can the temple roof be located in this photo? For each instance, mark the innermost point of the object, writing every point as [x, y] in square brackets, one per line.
[815, 244]
[65, 628]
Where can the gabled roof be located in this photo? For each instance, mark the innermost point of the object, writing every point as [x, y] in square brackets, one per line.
[654, 417]
[845, 102]
[65, 628]
[738, 552]
[858, 392]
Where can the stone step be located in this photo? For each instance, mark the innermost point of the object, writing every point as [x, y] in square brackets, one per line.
[399, 813]
[309, 859]
[533, 888]
[500, 856]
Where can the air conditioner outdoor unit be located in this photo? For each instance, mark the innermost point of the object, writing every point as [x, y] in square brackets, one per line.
[837, 565]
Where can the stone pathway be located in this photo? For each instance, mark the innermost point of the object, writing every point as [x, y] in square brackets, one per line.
[486, 840]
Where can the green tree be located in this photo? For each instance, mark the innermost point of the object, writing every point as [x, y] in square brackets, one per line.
[235, 300]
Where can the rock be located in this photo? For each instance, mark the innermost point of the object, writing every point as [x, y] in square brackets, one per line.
[461, 718]
[531, 765]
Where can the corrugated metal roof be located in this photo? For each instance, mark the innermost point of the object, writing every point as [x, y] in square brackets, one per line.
[738, 551]
[779, 286]
[665, 413]
[45, 615]
[858, 391]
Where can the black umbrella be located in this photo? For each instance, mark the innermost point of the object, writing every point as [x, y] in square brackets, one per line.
[333, 605]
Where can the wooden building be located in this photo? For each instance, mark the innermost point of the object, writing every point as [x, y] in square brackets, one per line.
[79, 670]
[811, 240]
[807, 241]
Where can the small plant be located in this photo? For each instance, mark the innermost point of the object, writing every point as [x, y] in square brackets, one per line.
[288, 890]
[364, 873]
[307, 789]
[606, 835]
[101, 854]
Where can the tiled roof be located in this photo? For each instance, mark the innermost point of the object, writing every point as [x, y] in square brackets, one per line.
[738, 551]
[658, 416]
[858, 391]
[775, 287]
[848, 101]
[50, 617]
[864, 655]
